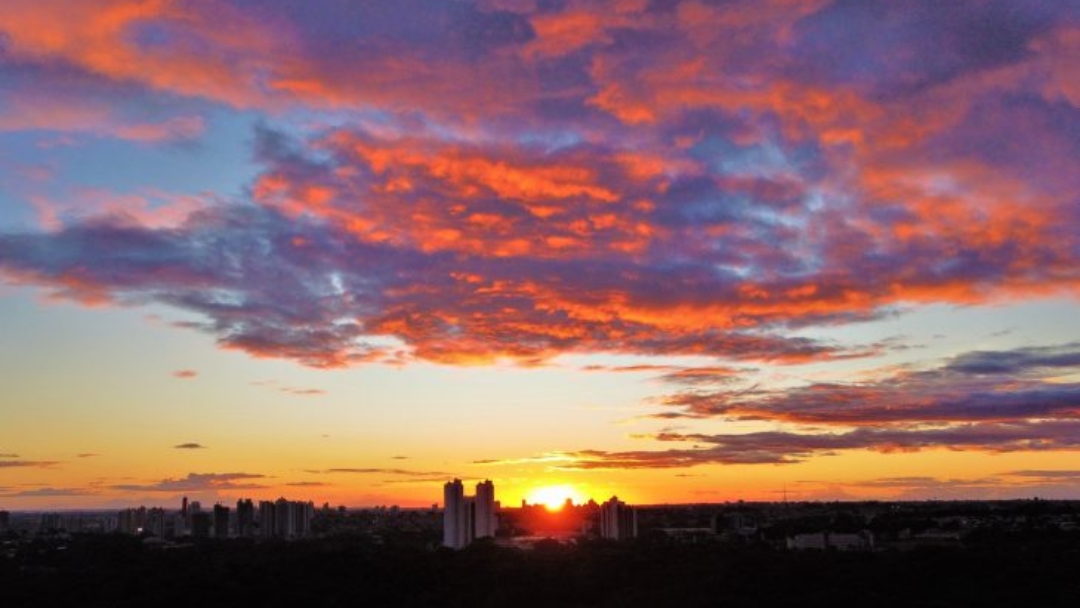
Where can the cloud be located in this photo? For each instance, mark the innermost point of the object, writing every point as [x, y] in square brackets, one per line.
[980, 385]
[1047, 475]
[86, 455]
[189, 446]
[50, 492]
[185, 374]
[988, 401]
[677, 178]
[1021, 361]
[34, 464]
[194, 482]
[418, 480]
[291, 390]
[783, 447]
[380, 471]
[1056, 484]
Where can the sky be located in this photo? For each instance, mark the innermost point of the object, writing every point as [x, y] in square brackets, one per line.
[677, 251]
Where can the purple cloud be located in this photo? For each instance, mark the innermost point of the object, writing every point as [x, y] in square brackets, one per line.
[513, 181]
[979, 385]
[781, 447]
[34, 464]
[50, 492]
[194, 482]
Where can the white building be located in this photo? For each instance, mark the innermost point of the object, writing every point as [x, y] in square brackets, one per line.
[466, 518]
[618, 521]
[484, 514]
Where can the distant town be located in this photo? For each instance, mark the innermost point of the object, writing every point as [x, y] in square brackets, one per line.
[464, 519]
[474, 551]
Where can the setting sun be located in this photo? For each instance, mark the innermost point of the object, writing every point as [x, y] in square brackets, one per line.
[554, 497]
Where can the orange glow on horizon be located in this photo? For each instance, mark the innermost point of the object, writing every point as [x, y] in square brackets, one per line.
[554, 497]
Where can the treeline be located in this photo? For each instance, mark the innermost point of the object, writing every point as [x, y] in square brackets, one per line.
[107, 570]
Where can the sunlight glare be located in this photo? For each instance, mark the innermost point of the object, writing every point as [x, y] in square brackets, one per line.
[554, 497]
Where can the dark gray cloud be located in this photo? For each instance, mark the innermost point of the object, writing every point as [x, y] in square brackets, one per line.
[783, 447]
[1047, 474]
[980, 385]
[380, 471]
[50, 492]
[189, 446]
[1018, 362]
[199, 482]
[33, 464]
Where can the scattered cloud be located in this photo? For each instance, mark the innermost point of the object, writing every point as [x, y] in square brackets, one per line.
[291, 390]
[49, 492]
[189, 446]
[87, 455]
[198, 482]
[976, 386]
[418, 480]
[185, 374]
[1047, 475]
[33, 464]
[785, 447]
[380, 471]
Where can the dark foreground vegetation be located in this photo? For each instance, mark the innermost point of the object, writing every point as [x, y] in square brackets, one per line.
[111, 570]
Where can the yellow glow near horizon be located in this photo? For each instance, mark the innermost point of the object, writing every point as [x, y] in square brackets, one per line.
[554, 497]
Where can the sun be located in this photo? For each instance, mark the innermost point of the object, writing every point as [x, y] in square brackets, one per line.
[554, 497]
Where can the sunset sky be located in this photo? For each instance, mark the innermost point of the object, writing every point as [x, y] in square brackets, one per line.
[346, 250]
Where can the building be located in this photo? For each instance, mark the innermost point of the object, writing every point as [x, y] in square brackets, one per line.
[131, 521]
[266, 519]
[466, 518]
[221, 521]
[5, 522]
[618, 521]
[245, 518]
[155, 522]
[484, 521]
[200, 524]
[50, 523]
[285, 519]
[820, 541]
[454, 515]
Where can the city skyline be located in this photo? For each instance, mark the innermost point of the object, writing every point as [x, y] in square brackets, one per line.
[674, 251]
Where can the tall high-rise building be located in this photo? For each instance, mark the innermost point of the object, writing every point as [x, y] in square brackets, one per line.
[50, 522]
[466, 518]
[5, 521]
[267, 524]
[283, 522]
[221, 521]
[283, 518]
[155, 522]
[200, 524]
[131, 521]
[454, 515]
[484, 513]
[245, 518]
[618, 521]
